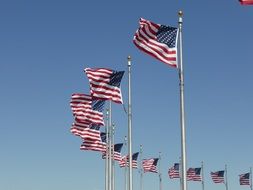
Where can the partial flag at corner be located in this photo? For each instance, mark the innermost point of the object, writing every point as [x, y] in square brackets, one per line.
[246, 2]
[157, 40]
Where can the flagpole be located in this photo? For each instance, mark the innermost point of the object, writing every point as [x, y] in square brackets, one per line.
[130, 176]
[202, 172]
[107, 151]
[125, 143]
[110, 146]
[250, 173]
[141, 169]
[226, 177]
[160, 173]
[182, 112]
[113, 161]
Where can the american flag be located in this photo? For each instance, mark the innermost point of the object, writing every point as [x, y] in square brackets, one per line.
[218, 177]
[149, 165]
[125, 161]
[193, 174]
[117, 155]
[91, 132]
[157, 40]
[244, 179]
[105, 84]
[95, 145]
[87, 110]
[246, 2]
[174, 171]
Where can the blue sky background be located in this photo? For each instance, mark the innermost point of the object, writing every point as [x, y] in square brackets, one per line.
[44, 47]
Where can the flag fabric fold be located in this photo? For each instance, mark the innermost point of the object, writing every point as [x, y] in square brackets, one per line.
[173, 172]
[150, 165]
[157, 40]
[218, 177]
[105, 84]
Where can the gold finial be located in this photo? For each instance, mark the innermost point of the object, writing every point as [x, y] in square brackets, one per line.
[180, 13]
[129, 58]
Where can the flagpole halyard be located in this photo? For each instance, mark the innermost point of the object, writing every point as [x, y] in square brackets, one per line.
[182, 111]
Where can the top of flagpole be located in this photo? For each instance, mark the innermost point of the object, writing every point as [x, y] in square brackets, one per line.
[180, 14]
[129, 60]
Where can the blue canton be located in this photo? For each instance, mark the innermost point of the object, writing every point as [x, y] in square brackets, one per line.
[115, 78]
[167, 35]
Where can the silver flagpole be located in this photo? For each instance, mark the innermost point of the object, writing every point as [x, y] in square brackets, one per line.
[110, 145]
[160, 173]
[226, 172]
[182, 112]
[202, 174]
[107, 151]
[113, 161]
[130, 176]
[250, 175]
[125, 143]
[141, 169]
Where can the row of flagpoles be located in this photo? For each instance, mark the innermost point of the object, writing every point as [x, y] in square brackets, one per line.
[160, 42]
[157, 40]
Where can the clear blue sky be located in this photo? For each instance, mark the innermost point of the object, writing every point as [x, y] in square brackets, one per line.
[44, 47]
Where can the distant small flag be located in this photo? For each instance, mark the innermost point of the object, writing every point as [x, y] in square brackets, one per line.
[174, 171]
[193, 174]
[105, 84]
[87, 110]
[218, 177]
[149, 165]
[246, 2]
[95, 145]
[125, 161]
[117, 155]
[244, 179]
[157, 40]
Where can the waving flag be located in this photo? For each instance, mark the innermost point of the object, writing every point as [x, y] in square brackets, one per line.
[193, 174]
[149, 165]
[174, 171]
[117, 155]
[95, 145]
[157, 40]
[105, 84]
[246, 2]
[92, 132]
[244, 179]
[87, 110]
[218, 177]
[125, 161]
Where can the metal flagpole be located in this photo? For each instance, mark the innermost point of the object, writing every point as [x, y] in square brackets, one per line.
[130, 176]
[106, 152]
[250, 174]
[160, 173]
[226, 172]
[182, 112]
[110, 146]
[113, 161]
[202, 172]
[125, 143]
[141, 169]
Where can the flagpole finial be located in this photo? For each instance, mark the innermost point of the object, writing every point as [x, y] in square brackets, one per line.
[180, 13]
[129, 60]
